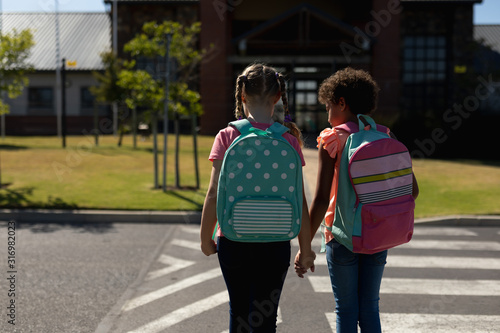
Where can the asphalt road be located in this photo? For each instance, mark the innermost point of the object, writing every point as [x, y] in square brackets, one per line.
[114, 278]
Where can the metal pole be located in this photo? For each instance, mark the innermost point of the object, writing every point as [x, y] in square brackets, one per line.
[58, 73]
[63, 102]
[165, 111]
[115, 27]
[2, 117]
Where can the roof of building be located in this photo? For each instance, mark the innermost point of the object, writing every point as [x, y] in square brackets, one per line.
[490, 33]
[83, 37]
[451, 1]
[161, 1]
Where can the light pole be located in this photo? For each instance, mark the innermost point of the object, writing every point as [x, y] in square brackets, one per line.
[165, 111]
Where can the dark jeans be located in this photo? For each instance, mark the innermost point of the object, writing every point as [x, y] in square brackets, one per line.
[254, 274]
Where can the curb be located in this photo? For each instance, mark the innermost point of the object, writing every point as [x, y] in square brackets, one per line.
[98, 216]
[462, 221]
[188, 217]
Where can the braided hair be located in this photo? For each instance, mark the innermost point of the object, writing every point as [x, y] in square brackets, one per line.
[262, 82]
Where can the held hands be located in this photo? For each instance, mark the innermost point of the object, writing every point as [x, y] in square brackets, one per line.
[304, 262]
[208, 247]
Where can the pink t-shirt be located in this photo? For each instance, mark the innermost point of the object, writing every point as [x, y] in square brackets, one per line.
[227, 135]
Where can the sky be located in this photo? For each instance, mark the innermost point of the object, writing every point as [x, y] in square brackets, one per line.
[486, 13]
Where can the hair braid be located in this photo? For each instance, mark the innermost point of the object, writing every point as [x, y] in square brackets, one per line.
[238, 112]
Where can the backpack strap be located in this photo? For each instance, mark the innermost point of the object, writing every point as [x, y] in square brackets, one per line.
[364, 120]
[277, 130]
[242, 125]
[351, 127]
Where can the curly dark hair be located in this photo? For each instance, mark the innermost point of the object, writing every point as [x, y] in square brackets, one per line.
[359, 89]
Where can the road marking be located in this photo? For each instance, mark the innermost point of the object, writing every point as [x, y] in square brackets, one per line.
[451, 245]
[170, 289]
[322, 284]
[437, 323]
[435, 231]
[442, 262]
[187, 244]
[440, 287]
[173, 264]
[183, 313]
[191, 230]
[431, 262]
[424, 323]
[279, 320]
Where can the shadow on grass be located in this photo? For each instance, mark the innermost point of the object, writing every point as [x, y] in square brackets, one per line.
[46, 227]
[180, 196]
[12, 147]
[20, 199]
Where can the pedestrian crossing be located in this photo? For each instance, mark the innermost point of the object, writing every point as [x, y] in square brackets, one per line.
[447, 279]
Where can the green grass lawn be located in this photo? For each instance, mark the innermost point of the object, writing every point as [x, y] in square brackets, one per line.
[40, 174]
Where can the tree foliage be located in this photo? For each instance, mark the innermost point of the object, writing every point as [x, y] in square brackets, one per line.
[15, 49]
[107, 90]
[151, 44]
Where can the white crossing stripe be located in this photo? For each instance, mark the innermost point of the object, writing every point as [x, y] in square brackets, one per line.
[435, 323]
[431, 262]
[187, 244]
[193, 230]
[451, 245]
[183, 313]
[437, 231]
[279, 320]
[440, 287]
[174, 264]
[322, 284]
[170, 289]
[442, 262]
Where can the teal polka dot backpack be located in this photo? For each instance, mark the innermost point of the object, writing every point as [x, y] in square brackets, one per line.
[259, 196]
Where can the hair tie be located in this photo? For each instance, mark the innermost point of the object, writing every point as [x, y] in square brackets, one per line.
[244, 78]
[277, 75]
[288, 118]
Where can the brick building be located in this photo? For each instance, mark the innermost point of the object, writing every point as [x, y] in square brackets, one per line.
[419, 51]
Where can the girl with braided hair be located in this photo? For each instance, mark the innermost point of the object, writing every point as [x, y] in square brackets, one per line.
[254, 272]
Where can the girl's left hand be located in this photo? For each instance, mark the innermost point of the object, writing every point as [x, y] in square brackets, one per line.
[303, 263]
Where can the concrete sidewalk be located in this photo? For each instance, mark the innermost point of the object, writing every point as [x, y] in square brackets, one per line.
[189, 217]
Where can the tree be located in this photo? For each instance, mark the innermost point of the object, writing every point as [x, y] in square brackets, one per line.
[15, 49]
[151, 45]
[108, 91]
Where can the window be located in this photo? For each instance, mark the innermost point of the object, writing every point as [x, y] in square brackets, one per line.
[86, 98]
[41, 98]
[424, 73]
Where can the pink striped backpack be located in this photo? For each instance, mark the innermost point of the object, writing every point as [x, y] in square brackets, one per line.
[374, 208]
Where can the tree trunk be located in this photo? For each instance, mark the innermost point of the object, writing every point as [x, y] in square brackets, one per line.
[194, 132]
[177, 138]
[154, 124]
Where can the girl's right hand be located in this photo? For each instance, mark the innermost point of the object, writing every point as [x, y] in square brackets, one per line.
[208, 247]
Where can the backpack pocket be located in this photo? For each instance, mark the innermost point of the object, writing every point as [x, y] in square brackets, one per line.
[385, 225]
[261, 219]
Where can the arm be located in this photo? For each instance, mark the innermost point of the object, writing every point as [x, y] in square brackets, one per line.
[319, 205]
[305, 256]
[209, 213]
